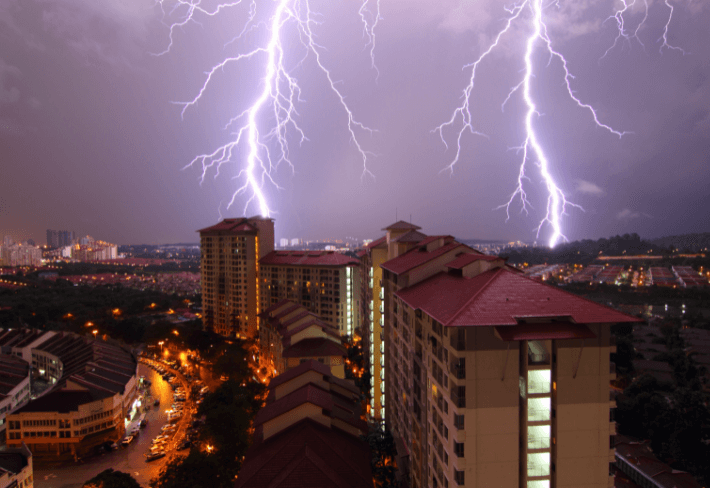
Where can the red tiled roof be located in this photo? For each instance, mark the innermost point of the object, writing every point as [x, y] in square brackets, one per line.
[430, 239]
[501, 297]
[274, 307]
[411, 236]
[327, 328]
[465, 259]
[230, 225]
[415, 257]
[287, 311]
[309, 393]
[307, 258]
[402, 225]
[376, 242]
[307, 454]
[287, 323]
[314, 347]
[310, 365]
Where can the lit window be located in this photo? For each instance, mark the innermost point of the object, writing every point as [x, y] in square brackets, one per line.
[539, 464]
[539, 409]
[539, 381]
[538, 437]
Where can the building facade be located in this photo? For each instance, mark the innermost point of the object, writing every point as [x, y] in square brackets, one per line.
[324, 282]
[91, 394]
[21, 255]
[308, 434]
[14, 387]
[60, 238]
[399, 238]
[494, 379]
[231, 293]
[289, 334]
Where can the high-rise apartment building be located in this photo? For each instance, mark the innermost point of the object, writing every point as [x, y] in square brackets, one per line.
[60, 238]
[20, 255]
[324, 282]
[231, 251]
[400, 237]
[491, 378]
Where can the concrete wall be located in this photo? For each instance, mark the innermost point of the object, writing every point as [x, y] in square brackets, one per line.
[583, 427]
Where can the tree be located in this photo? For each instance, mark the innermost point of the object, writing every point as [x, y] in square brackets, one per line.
[112, 479]
[197, 470]
[384, 451]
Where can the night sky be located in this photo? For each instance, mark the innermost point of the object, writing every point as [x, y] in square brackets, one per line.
[90, 139]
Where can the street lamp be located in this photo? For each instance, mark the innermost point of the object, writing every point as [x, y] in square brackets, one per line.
[161, 346]
[95, 332]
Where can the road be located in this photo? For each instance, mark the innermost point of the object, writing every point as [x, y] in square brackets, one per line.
[130, 459]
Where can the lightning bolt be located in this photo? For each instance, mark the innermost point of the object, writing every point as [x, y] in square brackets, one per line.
[624, 35]
[369, 28]
[664, 37]
[275, 103]
[461, 119]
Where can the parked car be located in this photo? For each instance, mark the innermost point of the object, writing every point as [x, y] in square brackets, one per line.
[127, 440]
[152, 456]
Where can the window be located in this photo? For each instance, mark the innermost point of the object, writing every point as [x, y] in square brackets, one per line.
[458, 396]
[539, 381]
[458, 367]
[458, 477]
[458, 449]
[458, 422]
[539, 409]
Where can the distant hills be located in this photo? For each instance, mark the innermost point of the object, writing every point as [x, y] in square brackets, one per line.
[685, 242]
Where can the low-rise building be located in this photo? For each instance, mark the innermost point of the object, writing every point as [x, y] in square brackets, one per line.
[290, 335]
[308, 434]
[16, 468]
[91, 394]
[14, 387]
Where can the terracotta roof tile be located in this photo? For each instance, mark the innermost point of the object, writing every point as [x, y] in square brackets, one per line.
[307, 454]
[230, 225]
[306, 394]
[411, 236]
[465, 259]
[310, 365]
[402, 225]
[308, 258]
[416, 257]
[501, 297]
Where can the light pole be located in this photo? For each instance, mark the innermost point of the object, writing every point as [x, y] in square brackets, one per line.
[161, 346]
[95, 332]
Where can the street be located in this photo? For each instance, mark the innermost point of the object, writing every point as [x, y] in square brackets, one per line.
[130, 459]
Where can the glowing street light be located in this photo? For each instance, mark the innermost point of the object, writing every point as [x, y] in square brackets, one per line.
[95, 332]
[161, 345]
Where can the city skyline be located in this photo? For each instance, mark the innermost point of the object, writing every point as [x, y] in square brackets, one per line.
[95, 144]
